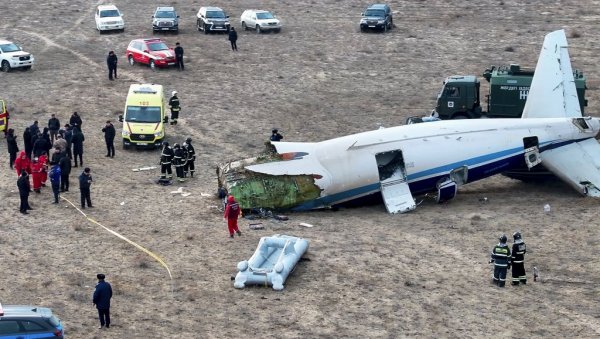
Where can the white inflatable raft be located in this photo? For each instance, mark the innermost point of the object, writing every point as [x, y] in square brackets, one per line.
[272, 262]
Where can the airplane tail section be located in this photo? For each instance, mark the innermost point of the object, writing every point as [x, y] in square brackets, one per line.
[553, 93]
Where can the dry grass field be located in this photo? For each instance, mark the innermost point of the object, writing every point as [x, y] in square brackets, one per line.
[370, 274]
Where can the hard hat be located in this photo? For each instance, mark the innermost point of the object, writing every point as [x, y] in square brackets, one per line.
[176, 145]
[188, 140]
[503, 238]
[275, 130]
[165, 143]
[174, 93]
[517, 235]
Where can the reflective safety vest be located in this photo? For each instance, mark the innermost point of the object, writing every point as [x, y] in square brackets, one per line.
[501, 255]
[518, 252]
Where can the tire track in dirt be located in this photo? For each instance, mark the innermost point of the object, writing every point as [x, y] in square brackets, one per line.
[81, 56]
[81, 18]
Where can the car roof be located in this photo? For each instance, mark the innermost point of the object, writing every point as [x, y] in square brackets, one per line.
[212, 9]
[258, 11]
[25, 310]
[5, 42]
[148, 40]
[166, 9]
[104, 7]
[378, 6]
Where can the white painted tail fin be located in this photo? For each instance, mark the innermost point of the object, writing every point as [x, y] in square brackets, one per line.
[553, 93]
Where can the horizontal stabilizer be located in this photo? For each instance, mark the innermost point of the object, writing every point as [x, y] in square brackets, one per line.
[553, 93]
[578, 164]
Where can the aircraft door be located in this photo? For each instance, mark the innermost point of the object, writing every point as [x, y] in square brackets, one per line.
[394, 187]
[532, 151]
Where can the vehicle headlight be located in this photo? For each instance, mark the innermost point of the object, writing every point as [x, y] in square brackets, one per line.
[157, 134]
[125, 133]
[363, 20]
[380, 21]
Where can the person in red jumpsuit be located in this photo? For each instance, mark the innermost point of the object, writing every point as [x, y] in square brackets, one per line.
[44, 160]
[36, 174]
[22, 163]
[232, 212]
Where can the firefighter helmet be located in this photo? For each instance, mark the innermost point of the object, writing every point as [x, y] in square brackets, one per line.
[165, 143]
[188, 140]
[176, 145]
[517, 235]
[503, 238]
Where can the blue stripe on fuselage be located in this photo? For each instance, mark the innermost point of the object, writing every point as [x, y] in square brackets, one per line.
[419, 185]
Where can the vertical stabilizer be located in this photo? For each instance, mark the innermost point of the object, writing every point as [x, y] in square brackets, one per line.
[553, 93]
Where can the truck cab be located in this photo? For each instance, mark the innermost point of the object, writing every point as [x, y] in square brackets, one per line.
[459, 98]
[3, 117]
[144, 116]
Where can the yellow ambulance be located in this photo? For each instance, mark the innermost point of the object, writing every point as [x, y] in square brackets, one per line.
[144, 116]
[3, 117]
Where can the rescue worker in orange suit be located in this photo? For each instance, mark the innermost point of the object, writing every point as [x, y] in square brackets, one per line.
[36, 174]
[166, 173]
[43, 159]
[501, 260]
[518, 260]
[232, 212]
[22, 163]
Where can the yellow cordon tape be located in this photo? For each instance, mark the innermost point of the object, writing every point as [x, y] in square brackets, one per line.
[156, 257]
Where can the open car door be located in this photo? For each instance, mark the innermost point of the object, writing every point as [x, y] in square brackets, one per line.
[394, 188]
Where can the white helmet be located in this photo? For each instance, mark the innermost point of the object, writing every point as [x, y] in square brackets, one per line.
[174, 93]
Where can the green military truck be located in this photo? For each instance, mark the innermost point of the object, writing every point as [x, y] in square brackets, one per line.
[508, 90]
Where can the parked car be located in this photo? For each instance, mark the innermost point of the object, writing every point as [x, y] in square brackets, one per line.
[153, 52]
[109, 18]
[212, 19]
[377, 16]
[29, 322]
[260, 20]
[165, 19]
[13, 56]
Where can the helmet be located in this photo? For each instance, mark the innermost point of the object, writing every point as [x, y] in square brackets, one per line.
[176, 145]
[165, 143]
[503, 238]
[274, 130]
[517, 235]
[174, 93]
[188, 140]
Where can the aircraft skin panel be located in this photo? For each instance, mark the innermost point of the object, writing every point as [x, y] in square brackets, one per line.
[553, 93]
[576, 164]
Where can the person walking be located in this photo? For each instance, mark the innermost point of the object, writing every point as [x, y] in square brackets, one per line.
[233, 39]
[55, 180]
[179, 56]
[166, 157]
[178, 162]
[24, 188]
[101, 300]
[65, 171]
[22, 163]
[53, 127]
[111, 61]
[27, 142]
[501, 260]
[85, 182]
[232, 212]
[275, 136]
[75, 121]
[175, 107]
[77, 141]
[518, 260]
[191, 158]
[13, 148]
[109, 138]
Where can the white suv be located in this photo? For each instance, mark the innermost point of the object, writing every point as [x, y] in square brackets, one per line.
[260, 21]
[212, 19]
[109, 18]
[12, 56]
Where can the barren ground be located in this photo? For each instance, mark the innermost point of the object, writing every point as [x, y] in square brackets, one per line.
[370, 274]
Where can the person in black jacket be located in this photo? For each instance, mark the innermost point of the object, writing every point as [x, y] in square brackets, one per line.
[85, 182]
[111, 61]
[75, 121]
[233, 38]
[65, 171]
[53, 127]
[69, 138]
[24, 188]
[101, 299]
[191, 158]
[39, 145]
[175, 107]
[34, 128]
[109, 137]
[179, 159]
[77, 142]
[13, 148]
[48, 143]
[179, 56]
[166, 173]
[27, 142]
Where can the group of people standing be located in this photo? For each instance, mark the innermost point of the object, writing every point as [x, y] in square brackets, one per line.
[503, 258]
[182, 157]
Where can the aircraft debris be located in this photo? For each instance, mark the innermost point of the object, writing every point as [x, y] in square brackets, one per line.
[305, 224]
[146, 168]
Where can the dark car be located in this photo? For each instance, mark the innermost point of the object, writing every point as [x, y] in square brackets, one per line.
[377, 17]
[29, 322]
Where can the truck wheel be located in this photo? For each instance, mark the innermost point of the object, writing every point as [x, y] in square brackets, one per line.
[152, 65]
[5, 66]
[125, 146]
[244, 27]
[258, 31]
[205, 29]
[131, 61]
[198, 25]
